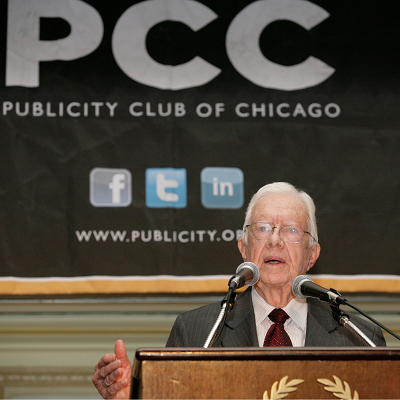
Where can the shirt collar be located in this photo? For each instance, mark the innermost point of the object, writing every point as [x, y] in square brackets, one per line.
[296, 309]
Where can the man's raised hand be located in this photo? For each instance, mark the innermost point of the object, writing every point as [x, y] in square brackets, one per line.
[112, 376]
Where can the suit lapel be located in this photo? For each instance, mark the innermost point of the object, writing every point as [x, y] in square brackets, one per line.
[240, 327]
[320, 325]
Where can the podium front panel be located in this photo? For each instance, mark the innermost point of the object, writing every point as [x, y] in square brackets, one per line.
[344, 373]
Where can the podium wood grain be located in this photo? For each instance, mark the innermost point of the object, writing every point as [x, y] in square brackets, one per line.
[247, 373]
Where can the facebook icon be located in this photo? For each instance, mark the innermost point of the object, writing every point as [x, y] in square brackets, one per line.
[166, 188]
[110, 187]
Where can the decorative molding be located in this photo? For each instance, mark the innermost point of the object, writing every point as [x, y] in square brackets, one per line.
[44, 376]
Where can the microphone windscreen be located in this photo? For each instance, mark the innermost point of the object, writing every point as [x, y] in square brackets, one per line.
[296, 285]
[253, 267]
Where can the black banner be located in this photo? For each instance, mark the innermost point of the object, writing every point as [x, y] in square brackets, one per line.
[133, 135]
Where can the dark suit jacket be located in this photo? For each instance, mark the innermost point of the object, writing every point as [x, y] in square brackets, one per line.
[192, 328]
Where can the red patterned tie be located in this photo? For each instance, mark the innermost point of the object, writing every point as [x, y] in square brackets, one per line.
[276, 335]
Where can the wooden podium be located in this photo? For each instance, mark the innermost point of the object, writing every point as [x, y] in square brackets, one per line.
[256, 373]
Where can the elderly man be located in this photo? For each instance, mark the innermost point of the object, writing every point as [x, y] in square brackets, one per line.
[280, 237]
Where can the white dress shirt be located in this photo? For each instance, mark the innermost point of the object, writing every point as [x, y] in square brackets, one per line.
[295, 326]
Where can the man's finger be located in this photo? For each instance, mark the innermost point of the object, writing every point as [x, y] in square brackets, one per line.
[105, 360]
[116, 387]
[120, 352]
[111, 378]
[108, 369]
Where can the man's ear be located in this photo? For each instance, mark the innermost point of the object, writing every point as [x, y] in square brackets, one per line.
[314, 255]
[242, 248]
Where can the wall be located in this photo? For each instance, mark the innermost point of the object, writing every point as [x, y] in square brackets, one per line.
[48, 348]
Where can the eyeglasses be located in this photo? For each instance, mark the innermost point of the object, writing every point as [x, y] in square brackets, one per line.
[289, 234]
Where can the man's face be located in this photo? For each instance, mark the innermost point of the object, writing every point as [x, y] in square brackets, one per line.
[280, 262]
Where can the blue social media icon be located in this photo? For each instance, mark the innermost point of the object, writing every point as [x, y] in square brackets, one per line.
[222, 187]
[166, 188]
[110, 187]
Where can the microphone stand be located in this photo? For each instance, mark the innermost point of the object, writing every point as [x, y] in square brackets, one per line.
[344, 320]
[246, 272]
[226, 305]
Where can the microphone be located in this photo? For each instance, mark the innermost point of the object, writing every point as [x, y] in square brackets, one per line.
[247, 273]
[303, 286]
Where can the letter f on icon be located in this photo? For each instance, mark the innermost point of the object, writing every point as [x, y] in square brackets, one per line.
[116, 186]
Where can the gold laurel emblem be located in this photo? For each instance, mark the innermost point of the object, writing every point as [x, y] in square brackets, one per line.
[281, 391]
[338, 388]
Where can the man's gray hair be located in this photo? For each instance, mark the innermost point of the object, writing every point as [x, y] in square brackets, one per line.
[278, 188]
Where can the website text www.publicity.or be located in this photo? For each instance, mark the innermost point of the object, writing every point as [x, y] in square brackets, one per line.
[184, 236]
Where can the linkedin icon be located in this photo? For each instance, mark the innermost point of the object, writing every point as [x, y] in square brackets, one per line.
[222, 187]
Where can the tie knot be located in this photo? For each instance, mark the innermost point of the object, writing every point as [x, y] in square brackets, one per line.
[278, 316]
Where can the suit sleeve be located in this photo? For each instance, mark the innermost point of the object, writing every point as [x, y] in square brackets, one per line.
[378, 337]
[191, 328]
[179, 336]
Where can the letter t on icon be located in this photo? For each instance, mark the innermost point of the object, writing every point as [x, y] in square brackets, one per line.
[162, 184]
